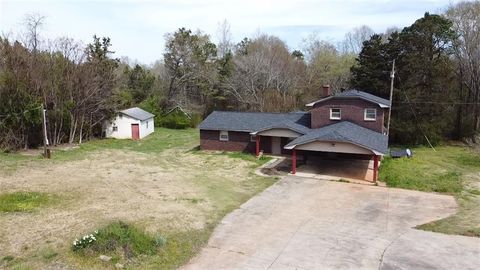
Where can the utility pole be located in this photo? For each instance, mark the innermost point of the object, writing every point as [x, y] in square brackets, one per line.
[392, 77]
[46, 151]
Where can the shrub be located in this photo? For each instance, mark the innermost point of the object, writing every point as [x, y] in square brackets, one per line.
[176, 121]
[119, 237]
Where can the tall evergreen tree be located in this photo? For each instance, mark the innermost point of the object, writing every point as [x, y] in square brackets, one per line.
[370, 72]
[424, 89]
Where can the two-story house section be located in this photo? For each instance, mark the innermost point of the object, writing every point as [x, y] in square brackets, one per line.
[355, 106]
[347, 123]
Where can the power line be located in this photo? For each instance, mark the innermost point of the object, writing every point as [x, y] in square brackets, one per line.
[441, 103]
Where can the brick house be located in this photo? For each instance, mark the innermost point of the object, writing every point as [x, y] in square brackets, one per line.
[347, 123]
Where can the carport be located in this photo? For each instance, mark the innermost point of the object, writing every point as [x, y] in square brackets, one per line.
[326, 165]
[342, 140]
[343, 146]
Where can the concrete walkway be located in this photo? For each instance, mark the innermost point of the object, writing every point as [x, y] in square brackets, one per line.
[302, 223]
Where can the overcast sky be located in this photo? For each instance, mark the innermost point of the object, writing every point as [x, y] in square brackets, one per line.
[137, 28]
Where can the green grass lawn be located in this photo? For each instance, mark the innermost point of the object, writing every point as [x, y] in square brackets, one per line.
[453, 170]
[217, 182]
[161, 140]
[23, 201]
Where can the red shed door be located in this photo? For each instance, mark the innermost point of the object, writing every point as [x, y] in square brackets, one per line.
[135, 132]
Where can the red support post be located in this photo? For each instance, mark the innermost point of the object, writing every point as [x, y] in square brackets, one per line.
[294, 161]
[375, 168]
[257, 145]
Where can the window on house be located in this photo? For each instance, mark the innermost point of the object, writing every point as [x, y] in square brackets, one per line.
[115, 128]
[370, 114]
[335, 114]
[253, 138]
[146, 124]
[223, 135]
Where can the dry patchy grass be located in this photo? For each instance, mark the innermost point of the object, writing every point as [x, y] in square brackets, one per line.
[160, 185]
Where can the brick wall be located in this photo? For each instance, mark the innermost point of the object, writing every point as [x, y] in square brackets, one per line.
[352, 110]
[237, 141]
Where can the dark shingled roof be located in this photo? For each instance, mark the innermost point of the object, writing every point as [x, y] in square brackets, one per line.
[137, 113]
[287, 125]
[255, 121]
[345, 132]
[353, 93]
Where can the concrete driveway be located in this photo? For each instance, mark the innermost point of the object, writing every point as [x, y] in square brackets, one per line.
[302, 223]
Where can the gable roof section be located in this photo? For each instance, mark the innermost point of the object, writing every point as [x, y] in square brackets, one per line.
[345, 132]
[285, 125]
[255, 121]
[349, 94]
[137, 113]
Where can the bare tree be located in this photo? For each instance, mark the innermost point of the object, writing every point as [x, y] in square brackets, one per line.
[33, 23]
[60, 86]
[466, 22]
[266, 72]
[224, 37]
[325, 65]
[354, 39]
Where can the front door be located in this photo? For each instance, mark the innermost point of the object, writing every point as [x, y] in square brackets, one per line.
[135, 132]
[276, 146]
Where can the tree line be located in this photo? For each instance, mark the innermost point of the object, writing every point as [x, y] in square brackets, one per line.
[436, 95]
[437, 80]
[74, 83]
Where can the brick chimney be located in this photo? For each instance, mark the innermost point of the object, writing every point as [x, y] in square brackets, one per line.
[325, 90]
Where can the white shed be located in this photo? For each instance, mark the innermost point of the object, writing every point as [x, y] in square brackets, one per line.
[133, 123]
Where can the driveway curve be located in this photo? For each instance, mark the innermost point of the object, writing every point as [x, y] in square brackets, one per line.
[302, 223]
